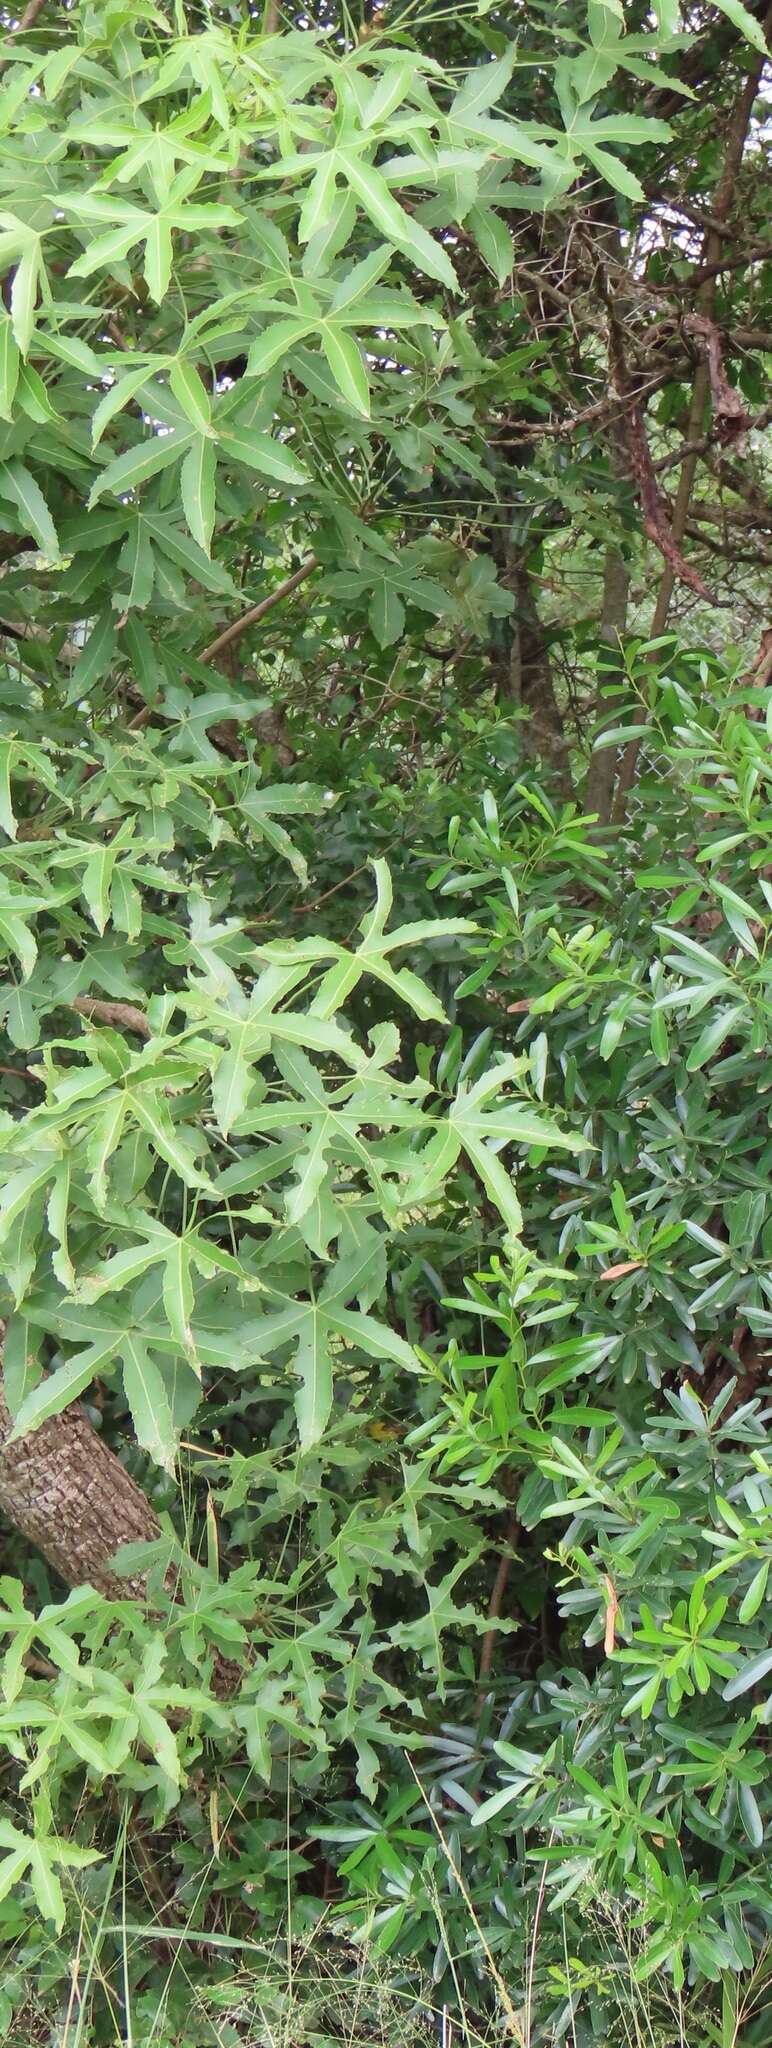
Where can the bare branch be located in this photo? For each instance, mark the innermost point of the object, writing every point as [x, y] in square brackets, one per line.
[706, 299]
[28, 18]
[122, 1016]
[259, 611]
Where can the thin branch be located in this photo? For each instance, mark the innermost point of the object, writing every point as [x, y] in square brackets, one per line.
[259, 611]
[506, 1561]
[123, 1016]
[706, 298]
[29, 17]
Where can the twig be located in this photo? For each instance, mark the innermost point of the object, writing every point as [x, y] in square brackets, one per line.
[123, 1016]
[258, 611]
[28, 629]
[706, 298]
[239, 626]
[497, 1595]
[29, 17]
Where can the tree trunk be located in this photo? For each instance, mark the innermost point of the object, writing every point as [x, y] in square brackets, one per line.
[524, 672]
[70, 1496]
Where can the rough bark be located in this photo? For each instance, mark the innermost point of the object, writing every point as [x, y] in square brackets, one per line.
[66, 1491]
[524, 672]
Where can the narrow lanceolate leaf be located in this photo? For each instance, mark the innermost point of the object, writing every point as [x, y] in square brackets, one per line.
[752, 1672]
[192, 395]
[126, 472]
[18, 484]
[7, 819]
[62, 1387]
[347, 366]
[148, 1400]
[259, 451]
[386, 613]
[197, 485]
[312, 1363]
[274, 344]
[179, 1296]
[9, 367]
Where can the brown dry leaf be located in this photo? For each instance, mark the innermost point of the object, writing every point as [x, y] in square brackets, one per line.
[609, 1640]
[625, 1266]
[731, 416]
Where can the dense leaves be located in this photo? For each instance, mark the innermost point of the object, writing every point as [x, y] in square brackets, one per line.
[384, 941]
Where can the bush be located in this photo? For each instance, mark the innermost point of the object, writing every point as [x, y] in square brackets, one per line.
[467, 1601]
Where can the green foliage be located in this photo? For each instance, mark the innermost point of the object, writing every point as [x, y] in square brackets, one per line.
[384, 1159]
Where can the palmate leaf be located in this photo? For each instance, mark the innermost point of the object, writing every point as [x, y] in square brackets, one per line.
[315, 1331]
[169, 1142]
[265, 805]
[483, 1129]
[371, 957]
[274, 1137]
[390, 218]
[131, 225]
[428, 1633]
[39, 1856]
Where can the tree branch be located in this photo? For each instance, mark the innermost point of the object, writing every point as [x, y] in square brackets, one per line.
[29, 17]
[706, 299]
[506, 1561]
[259, 611]
[123, 1016]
